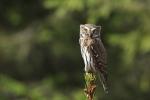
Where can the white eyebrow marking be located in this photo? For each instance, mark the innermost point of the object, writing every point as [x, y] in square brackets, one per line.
[93, 29]
[86, 28]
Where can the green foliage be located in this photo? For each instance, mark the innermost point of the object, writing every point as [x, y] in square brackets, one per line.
[90, 77]
[12, 86]
[43, 90]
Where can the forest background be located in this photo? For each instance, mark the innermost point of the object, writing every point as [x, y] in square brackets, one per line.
[40, 55]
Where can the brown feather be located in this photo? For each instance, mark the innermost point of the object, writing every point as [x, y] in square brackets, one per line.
[100, 61]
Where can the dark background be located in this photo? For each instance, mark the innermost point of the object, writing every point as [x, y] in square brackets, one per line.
[40, 55]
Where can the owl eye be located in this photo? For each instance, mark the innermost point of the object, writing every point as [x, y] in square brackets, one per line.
[85, 30]
[94, 31]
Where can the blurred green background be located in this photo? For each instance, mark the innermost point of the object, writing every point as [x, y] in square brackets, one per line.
[40, 55]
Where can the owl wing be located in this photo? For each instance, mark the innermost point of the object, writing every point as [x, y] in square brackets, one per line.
[100, 61]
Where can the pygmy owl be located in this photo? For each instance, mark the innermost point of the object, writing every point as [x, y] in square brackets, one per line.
[93, 52]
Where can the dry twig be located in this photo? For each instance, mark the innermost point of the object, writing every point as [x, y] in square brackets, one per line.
[90, 86]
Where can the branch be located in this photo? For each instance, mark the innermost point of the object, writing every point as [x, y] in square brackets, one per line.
[90, 86]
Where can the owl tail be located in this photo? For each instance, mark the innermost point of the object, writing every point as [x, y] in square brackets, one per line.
[103, 79]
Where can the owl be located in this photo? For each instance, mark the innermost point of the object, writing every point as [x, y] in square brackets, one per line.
[93, 52]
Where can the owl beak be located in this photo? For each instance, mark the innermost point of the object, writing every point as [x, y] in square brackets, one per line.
[90, 35]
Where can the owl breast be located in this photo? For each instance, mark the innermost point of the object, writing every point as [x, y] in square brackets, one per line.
[88, 42]
[88, 60]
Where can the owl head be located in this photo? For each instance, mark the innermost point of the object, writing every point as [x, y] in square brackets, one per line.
[90, 30]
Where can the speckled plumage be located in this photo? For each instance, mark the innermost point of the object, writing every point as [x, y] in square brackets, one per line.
[93, 52]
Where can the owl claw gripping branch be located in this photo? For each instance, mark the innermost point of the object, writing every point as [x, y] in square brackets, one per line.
[93, 52]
